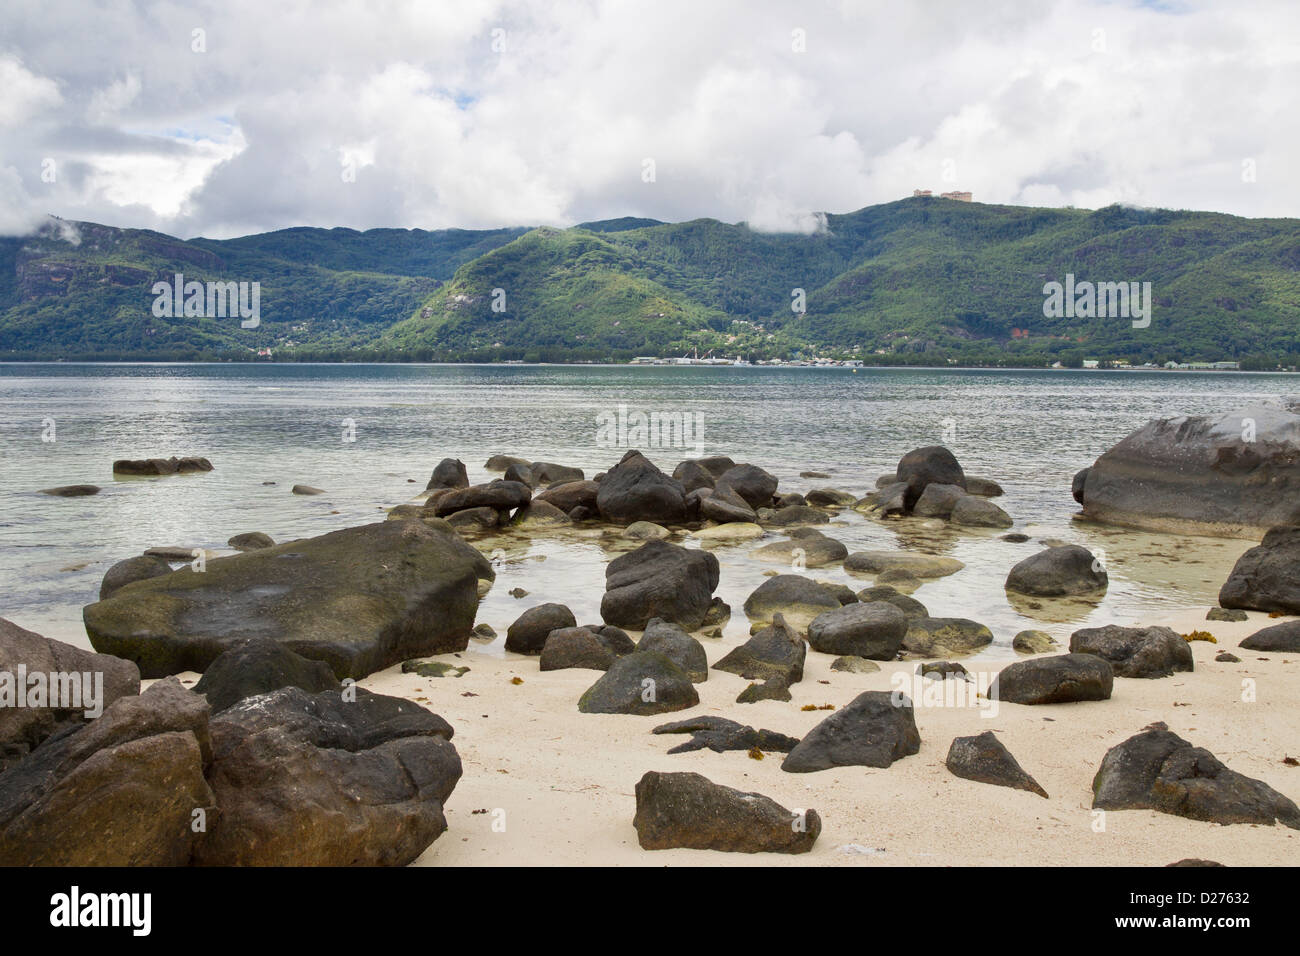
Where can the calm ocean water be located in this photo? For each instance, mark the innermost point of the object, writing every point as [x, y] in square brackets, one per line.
[1029, 430]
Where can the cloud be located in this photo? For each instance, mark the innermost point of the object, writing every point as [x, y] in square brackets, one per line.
[509, 112]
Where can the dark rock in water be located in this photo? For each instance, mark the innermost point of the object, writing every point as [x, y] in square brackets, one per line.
[1058, 572]
[1235, 474]
[716, 465]
[1077, 485]
[575, 647]
[813, 474]
[983, 758]
[570, 495]
[547, 472]
[933, 464]
[1158, 770]
[830, 498]
[929, 636]
[139, 568]
[942, 670]
[502, 462]
[1135, 651]
[806, 548]
[910, 606]
[1015, 537]
[920, 565]
[484, 632]
[891, 500]
[1224, 614]
[527, 635]
[873, 630]
[71, 491]
[791, 516]
[326, 780]
[1267, 577]
[475, 519]
[659, 580]
[688, 810]
[693, 475]
[874, 730]
[1278, 638]
[772, 689]
[360, 599]
[1224, 657]
[258, 666]
[774, 653]
[171, 553]
[499, 495]
[1033, 642]
[305, 490]
[1059, 679]
[517, 593]
[635, 490]
[521, 474]
[104, 680]
[720, 734]
[937, 500]
[842, 592]
[752, 483]
[448, 473]
[666, 638]
[119, 791]
[983, 487]
[791, 500]
[539, 514]
[975, 512]
[725, 505]
[797, 598]
[161, 466]
[249, 541]
[641, 684]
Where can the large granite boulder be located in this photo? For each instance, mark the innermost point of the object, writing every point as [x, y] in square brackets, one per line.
[161, 466]
[932, 464]
[688, 810]
[258, 666]
[332, 779]
[528, 634]
[571, 494]
[1135, 651]
[1059, 679]
[796, 598]
[1158, 770]
[1267, 577]
[1235, 474]
[942, 636]
[986, 759]
[122, 790]
[668, 639]
[874, 631]
[125, 572]
[448, 473]
[499, 495]
[1062, 571]
[659, 580]
[1279, 638]
[756, 486]
[875, 729]
[360, 599]
[636, 490]
[775, 652]
[72, 683]
[642, 683]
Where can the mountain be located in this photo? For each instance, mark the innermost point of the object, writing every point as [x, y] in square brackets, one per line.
[921, 280]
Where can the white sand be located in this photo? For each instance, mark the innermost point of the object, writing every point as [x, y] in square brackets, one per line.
[562, 782]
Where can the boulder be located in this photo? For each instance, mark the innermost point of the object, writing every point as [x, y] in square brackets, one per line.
[499, 495]
[1158, 770]
[258, 666]
[936, 636]
[937, 500]
[1033, 642]
[1135, 651]
[791, 516]
[475, 519]
[1281, 638]
[1234, 474]
[716, 465]
[448, 473]
[830, 498]
[756, 486]
[360, 599]
[120, 791]
[527, 635]
[502, 462]
[797, 598]
[23, 655]
[1058, 572]
[666, 638]
[932, 464]
[248, 541]
[873, 630]
[575, 647]
[1224, 614]
[1267, 577]
[326, 780]
[973, 512]
[910, 606]
[687, 810]
[642, 684]
[774, 689]
[983, 487]
[645, 531]
[720, 735]
[71, 491]
[806, 548]
[1078, 483]
[724, 534]
[983, 758]
[1060, 679]
[693, 475]
[774, 652]
[140, 568]
[660, 580]
[570, 495]
[540, 514]
[874, 730]
[921, 565]
[725, 505]
[547, 472]
[889, 501]
[522, 474]
[635, 490]
[306, 490]
[161, 466]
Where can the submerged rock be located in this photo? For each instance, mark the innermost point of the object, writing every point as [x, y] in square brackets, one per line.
[797, 598]
[687, 810]
[921, 565]
[933, 636]
[71, 491]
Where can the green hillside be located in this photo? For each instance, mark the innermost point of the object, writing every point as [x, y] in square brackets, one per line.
[915, 281]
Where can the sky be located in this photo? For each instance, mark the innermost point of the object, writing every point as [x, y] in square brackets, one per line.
[240, 116]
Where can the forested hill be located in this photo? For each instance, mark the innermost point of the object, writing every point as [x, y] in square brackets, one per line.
[921, 280]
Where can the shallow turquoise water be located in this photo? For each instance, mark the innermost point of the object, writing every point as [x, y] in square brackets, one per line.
[1030, 430]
